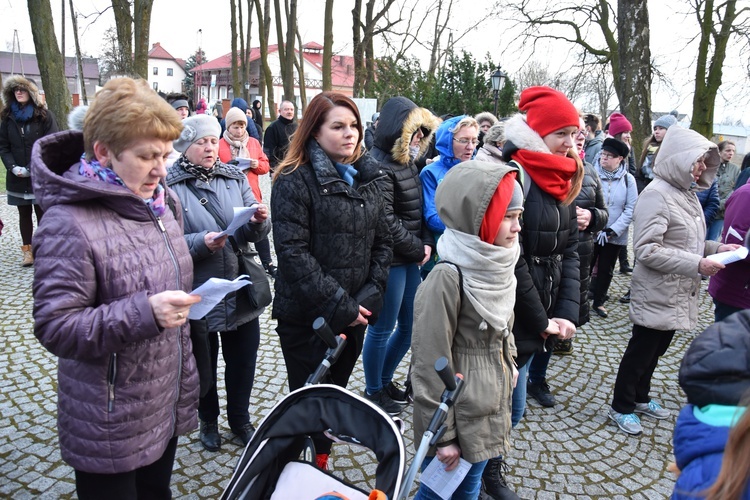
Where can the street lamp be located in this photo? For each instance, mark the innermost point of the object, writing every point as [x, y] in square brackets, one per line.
[498, 81]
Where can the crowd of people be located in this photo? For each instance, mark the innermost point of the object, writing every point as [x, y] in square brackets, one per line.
[488, 241]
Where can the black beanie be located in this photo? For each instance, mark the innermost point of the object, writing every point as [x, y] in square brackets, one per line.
[716, 366]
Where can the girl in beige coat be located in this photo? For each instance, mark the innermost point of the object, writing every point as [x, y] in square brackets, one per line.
[670, 248]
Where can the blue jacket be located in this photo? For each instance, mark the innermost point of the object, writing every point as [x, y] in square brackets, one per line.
[698, 450]
[709, 199]
[240, 103]
[620, 195]
[433, 174]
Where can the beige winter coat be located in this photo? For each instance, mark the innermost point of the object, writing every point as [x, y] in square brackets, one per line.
[669, 235]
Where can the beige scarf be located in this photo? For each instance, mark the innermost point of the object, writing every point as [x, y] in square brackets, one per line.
[238, 145]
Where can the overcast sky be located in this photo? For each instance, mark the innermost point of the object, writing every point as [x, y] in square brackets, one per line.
[176, 24]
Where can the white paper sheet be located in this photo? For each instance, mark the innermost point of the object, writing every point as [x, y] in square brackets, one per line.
[211, 293]
[442, 482]
[729, 257]
[242, 216]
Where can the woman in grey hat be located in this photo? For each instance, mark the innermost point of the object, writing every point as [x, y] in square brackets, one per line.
[203, 183]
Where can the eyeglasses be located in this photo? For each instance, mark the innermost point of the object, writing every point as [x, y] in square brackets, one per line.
[466, 142]
[581, 132]
[607, 156]
[19, 89]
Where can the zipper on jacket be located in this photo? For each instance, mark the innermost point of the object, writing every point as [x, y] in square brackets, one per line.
[170, 251]
[111, 377]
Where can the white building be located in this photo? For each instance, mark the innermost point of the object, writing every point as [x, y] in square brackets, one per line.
[165, 73]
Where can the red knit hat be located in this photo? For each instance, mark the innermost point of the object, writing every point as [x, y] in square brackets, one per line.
[618, 124]
[547, 110]
[497, 207]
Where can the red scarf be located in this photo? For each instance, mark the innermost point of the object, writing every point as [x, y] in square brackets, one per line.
[550, 172]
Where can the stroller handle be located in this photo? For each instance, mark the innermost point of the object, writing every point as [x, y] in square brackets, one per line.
[324, 332]
[336, 345]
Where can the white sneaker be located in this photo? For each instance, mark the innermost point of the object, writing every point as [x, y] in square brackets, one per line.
[652, 409]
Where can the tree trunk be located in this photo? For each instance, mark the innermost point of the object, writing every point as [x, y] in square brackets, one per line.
[236, 88]
[79, 60]
[327, 46]
[264, 25]
[634, 90]
[708, 76]
[50, 60]
[124, 25]
[142, 28]
[248, 38]
[369, 48]
[362, 36]
[286, 48]
[358, 49]
[243, 55]
[300, 64]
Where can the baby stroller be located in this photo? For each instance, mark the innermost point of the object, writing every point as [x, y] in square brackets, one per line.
[270, 467]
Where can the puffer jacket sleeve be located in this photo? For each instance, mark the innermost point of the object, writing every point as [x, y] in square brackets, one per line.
[67, 320]
[6, 155]
[529, 311]
[568, 300]
[710, 201]
[290, 206]
[436, 310]
[621, 225]
[429, 186]
[652, 218]
[599, 212]
[404, 242]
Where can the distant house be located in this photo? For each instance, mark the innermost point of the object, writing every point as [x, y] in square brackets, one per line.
[735, 133]
[165, 72]
[213, 79]
[26, 65]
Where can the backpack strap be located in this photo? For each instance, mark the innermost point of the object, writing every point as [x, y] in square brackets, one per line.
[460, 275]
[523, 178]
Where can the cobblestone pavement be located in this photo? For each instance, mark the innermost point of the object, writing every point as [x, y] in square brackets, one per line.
[571, 451]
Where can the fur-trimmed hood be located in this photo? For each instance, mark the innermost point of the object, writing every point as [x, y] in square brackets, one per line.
[521, 136]
[486, 116]
[19, 81]
[400, 118]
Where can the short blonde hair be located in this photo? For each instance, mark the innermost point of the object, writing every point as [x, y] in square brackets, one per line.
[466, 121]
[124, 111]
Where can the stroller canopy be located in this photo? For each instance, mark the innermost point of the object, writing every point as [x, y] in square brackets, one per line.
[281, 437]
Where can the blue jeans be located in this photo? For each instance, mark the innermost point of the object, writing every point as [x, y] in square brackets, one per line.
[538, 367]
[519, 394]
[723, 310]
[385, 347]
[467, 490]
[713, 232]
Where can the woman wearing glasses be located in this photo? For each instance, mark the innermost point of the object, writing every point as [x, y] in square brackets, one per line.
[456, 140]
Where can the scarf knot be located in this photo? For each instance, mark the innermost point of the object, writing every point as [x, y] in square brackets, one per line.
[198, 171]
[552, 173]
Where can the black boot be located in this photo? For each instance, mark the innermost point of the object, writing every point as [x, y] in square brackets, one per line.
[493, 482]
[209, 434]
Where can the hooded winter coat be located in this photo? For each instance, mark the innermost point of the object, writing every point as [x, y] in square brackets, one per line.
[332, 241]
[620, 194]
[17, 138]
[593, 147]
[446, 323]
[590, 198]
[433, 173]
[731, 285]
[548, 271]
[228, 189]
[401, 187]
[669, 234]
[126, 386]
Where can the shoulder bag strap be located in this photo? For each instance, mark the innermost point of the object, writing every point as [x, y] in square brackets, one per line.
[217, 217]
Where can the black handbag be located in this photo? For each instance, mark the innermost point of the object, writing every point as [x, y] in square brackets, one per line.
[259, 292]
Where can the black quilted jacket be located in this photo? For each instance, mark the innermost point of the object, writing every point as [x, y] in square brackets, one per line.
[332, 242]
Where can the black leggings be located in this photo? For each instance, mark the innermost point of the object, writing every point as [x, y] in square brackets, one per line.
[263, 247]
[25, 223]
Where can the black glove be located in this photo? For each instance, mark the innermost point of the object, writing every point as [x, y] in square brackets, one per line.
[610, 233]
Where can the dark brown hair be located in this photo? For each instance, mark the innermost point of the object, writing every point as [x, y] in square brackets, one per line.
[315, 115]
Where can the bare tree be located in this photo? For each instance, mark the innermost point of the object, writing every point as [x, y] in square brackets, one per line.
[300, 65]
[124, 26]
[236, 86]
[717, 24]
[50, 60]
[286, 46]
[142, 28]
[79, 61]
[327, 46]
[264, 25]
[362, 38]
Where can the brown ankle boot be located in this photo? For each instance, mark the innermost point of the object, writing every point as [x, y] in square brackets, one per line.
[28, 257]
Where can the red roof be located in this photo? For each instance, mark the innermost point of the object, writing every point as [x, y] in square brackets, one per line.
[342, 67]
[158, 52]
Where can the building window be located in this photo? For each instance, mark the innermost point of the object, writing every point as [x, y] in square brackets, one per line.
[170, 72]
[156, 86]
[156, 70]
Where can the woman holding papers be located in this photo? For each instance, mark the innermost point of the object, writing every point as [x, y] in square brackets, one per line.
[111, 275]
[210, 190]
[670, 248]
[730, 288]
